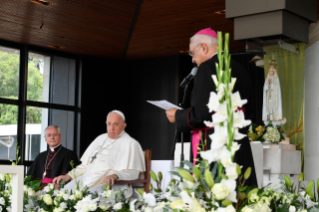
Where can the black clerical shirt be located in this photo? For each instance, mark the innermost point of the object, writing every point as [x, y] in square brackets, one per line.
[53, 163]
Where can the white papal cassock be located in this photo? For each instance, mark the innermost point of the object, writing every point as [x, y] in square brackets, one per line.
[122, 156]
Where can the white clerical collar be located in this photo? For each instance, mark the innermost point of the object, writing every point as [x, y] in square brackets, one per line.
[213, 55]
[52, 149]
[113, 139]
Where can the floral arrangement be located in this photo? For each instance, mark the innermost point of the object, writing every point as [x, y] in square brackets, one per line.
[271, 133]
[209, 186]
[5, 192]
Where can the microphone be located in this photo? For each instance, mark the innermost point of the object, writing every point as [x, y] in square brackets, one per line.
[189, 77]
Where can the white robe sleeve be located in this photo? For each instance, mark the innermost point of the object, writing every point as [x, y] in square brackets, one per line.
[128, 174]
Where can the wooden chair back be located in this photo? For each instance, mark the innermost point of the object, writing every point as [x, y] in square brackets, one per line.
[145, 177]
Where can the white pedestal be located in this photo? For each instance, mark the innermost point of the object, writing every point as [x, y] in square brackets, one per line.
[273, 160]
[258, 155]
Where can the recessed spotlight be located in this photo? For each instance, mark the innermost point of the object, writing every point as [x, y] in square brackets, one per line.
[56, 47]
[222, 12]
[41, 2]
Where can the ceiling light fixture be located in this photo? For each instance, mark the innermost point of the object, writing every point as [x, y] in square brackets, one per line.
[56, 47]
[222, 12]
[41, 2]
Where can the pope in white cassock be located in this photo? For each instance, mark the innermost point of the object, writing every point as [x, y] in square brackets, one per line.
[111, 156]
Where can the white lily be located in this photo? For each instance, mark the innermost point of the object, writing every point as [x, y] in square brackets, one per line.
[187, 203]
[225, 158]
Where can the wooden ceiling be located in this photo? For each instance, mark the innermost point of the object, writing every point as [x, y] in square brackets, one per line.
[102, 27]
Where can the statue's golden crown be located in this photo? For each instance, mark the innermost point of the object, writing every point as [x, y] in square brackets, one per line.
[272, 63]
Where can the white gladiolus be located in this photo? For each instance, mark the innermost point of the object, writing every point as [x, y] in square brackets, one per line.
[235, 147]
[232, 83]
[239, 120]
[219, 137]
[221, 114]
[213, 102]
[221, 91]
[215, 79]
[231, 172]
[237, 101]
[225, 158]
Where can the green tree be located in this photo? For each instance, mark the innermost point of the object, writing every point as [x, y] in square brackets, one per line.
[9, 88]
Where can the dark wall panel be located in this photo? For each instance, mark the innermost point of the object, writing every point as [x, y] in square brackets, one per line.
[153, 79]
[100, 94]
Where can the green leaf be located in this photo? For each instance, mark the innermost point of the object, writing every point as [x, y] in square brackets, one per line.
[153, 176]
[187, 163]
[186, 175]
[196, 172]
[242, 188]
[27, 179]
[209, 178]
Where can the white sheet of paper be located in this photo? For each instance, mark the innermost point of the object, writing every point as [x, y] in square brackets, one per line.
[164, 104]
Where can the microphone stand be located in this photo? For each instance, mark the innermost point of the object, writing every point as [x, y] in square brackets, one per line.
[182, 134]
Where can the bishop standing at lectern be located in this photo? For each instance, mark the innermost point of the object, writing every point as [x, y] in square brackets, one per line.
[111, 156]
[203, 50]
[55, 161]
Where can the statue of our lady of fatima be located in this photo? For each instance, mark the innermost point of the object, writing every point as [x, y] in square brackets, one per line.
[272, 105]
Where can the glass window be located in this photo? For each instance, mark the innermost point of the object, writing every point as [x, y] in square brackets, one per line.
[9, 72]
[36, 122]
[8, 131]
[65, 120]
[38, 77]
[63, 82]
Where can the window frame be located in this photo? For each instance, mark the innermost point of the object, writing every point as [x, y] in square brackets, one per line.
[23, 103]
